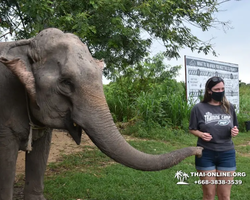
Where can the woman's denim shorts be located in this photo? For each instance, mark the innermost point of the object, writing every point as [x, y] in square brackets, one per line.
[219, 160]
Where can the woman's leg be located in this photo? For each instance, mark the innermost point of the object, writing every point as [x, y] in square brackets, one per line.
[225, 168]
[209, 190]
[206, 165]
[224, 189]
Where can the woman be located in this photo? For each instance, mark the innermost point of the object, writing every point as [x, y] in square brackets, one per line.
[214, 122]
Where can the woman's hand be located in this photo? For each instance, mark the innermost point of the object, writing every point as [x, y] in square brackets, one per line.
[234, 131]
[206, 137]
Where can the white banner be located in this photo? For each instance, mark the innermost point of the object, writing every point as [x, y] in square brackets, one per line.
[199, 70]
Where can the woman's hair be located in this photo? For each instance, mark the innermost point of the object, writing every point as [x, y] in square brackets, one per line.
[211, 82]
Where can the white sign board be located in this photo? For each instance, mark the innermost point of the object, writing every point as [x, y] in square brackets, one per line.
[199, 70]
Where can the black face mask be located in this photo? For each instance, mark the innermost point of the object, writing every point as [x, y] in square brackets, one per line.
[217, 96]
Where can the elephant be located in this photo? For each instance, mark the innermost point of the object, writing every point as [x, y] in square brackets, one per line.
[51, 81]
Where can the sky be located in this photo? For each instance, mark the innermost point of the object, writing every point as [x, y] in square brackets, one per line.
[231, 45]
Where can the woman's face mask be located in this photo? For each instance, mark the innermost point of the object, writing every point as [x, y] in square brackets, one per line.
[217, 96]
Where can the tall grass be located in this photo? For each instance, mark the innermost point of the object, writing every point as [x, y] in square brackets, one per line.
[120, 102]
[244, 112]
[162, 103]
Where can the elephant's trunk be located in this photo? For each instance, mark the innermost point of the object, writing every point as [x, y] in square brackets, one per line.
[103, 132]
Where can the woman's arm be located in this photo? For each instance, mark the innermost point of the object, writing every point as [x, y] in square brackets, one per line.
[205, 136]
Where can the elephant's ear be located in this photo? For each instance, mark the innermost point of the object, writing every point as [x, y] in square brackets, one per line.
[26, 77]
[100, 63]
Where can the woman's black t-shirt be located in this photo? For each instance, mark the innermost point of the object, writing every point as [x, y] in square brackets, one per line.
[214, 120]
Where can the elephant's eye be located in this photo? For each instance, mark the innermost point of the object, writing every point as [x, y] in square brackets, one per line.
[66, 86]
[66, 83]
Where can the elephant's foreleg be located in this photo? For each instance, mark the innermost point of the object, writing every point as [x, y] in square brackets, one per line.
[9, 146]
[36, 161]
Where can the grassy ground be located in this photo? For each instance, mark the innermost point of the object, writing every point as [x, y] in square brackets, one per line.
[92, 175]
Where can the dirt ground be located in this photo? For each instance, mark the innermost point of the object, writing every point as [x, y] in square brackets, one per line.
[62, 144]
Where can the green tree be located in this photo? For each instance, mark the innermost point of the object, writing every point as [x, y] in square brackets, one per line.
[112, 29]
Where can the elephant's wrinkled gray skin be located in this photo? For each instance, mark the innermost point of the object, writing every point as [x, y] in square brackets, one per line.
[64, 91]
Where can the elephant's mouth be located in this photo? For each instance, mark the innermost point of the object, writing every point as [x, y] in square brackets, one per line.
[74, 129]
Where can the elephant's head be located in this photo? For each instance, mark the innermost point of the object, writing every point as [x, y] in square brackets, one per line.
[65, 89]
